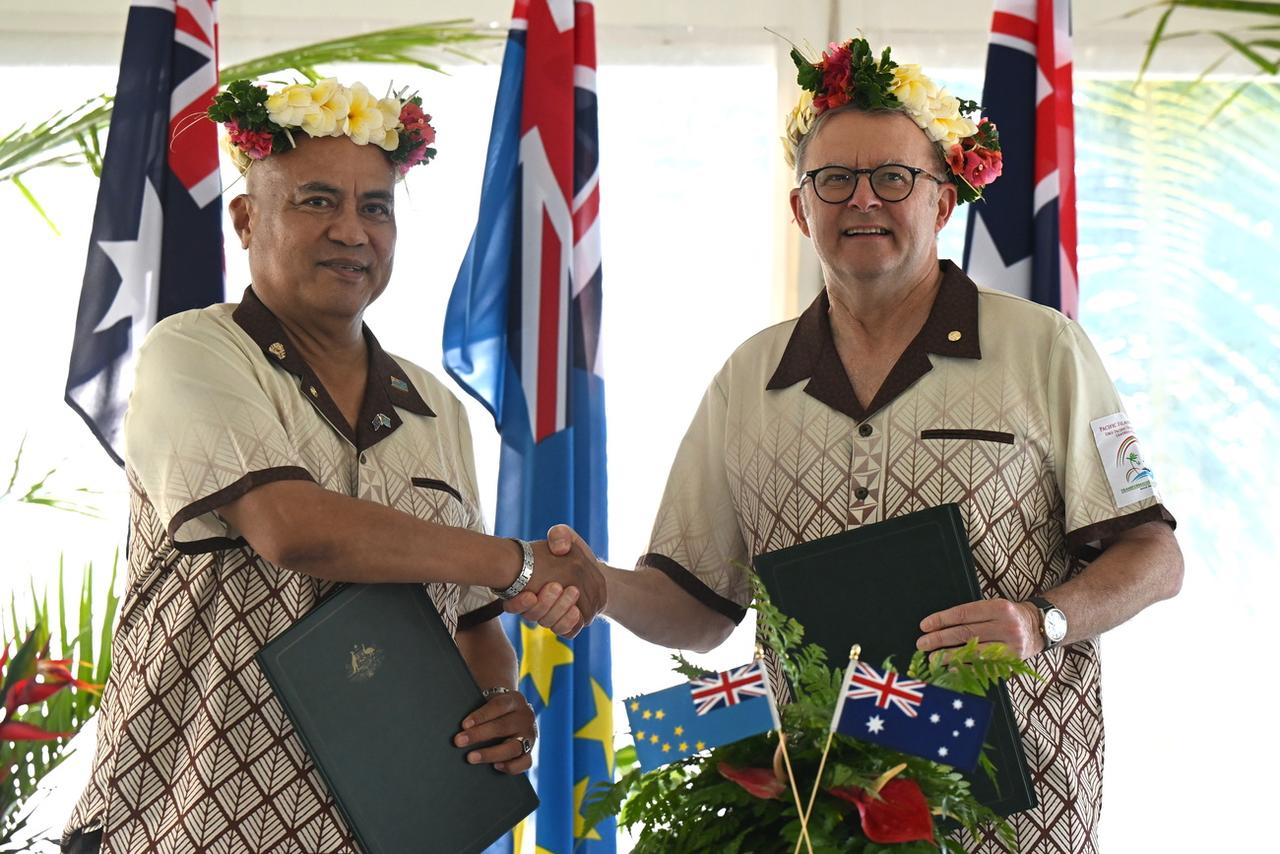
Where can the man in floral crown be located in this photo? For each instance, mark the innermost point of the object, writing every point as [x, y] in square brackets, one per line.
[273, 449]
[904, 386]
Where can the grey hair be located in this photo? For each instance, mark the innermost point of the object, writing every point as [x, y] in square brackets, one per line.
[940, 158]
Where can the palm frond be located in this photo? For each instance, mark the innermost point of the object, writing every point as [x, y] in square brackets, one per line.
[1260, 51]
[73, 137]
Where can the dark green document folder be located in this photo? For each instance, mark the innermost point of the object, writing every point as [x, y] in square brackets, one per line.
[376, 690]
[872, 586]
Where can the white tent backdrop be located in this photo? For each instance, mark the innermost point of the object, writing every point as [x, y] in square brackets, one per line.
[688, 275]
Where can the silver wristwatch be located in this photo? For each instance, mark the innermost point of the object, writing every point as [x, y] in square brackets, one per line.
[526, 572]
[1053, 623]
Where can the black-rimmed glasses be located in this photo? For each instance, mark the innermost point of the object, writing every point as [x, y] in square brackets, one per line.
[891, 182]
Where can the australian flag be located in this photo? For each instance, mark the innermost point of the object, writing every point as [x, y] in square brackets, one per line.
[1022, 237]
[156, 244]
[912, 716]
[522, 334]
[700, 714]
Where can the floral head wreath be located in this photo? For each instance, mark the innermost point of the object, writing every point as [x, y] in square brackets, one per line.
[849, 74]
[259, 125]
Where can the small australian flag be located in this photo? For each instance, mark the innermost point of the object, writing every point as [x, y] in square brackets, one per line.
[912, 716]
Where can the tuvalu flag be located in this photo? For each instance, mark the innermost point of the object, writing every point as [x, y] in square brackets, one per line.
[1021, 238]
[156, 244]
[912, 716]
[700, 714]
[522, 335]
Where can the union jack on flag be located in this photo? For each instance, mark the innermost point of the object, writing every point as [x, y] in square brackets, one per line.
[889, 689]
[1022, 237]
[728, 688]
[912, 717]
[156, 244]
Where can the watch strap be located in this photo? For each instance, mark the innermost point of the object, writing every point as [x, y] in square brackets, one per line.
[1045, 607]
[526, 572]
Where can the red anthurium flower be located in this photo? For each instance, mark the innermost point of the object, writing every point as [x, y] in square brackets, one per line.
[900, 814]
[758, 781]
[19, 731]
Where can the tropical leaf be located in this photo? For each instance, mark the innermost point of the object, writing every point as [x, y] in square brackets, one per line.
[73, 137]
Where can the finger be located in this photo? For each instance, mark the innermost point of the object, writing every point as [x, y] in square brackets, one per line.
[494, 708]
[520, 603]
[570, 624]
[547, 597]
[516, 766]
[504, 751]
[566, 600]
[969, 612]
[560, 539]
[514, 725]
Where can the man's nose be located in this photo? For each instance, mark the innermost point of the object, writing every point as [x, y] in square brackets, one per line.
[863, 198]
[347, 227]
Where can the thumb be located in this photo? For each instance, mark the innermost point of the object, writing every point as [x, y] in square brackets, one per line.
[560, 539]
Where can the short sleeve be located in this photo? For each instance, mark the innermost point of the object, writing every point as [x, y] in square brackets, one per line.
[696, 539]
[1106, 484]
[476, 604]
[201, 429]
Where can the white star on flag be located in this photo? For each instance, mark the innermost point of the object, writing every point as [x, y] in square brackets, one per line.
[874, 724]
[942, 751]
[138, 262]
[957, 704]
[968, 722]
[934, 718]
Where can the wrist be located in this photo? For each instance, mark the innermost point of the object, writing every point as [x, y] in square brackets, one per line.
[523, 574]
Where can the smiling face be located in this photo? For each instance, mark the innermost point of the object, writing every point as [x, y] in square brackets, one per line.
[319, 224]
[866, 240]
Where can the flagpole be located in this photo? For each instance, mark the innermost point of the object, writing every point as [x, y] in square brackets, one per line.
[854, 652]
[795, 793]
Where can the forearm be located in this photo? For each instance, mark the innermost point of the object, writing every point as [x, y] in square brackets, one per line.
[488, 654]
[1142, 567]
[655, 608]
[308, 529]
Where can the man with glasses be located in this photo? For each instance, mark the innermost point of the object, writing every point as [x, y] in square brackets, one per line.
[905, 386]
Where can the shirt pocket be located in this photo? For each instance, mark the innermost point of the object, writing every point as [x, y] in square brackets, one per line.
[439, 501]
[973, 435]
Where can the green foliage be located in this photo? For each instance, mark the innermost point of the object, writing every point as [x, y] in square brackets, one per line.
[23, 764]
[38, 492]
[73, 137]
[690, 806]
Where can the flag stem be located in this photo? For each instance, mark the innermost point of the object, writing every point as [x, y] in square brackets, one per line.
[813, 796]
[795, 793]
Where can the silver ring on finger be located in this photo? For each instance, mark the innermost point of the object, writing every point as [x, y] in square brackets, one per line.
[526, 744]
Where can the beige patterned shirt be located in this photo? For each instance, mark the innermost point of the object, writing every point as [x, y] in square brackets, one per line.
[194, 753]
[1000, 406]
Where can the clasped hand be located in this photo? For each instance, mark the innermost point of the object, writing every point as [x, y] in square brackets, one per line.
[567, 590]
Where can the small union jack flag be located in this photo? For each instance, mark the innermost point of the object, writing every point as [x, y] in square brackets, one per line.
[936, 723]
[904, 694]
[728, 688]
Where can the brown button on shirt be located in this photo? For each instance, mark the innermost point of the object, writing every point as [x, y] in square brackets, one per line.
[1000, 406]
[194, 753]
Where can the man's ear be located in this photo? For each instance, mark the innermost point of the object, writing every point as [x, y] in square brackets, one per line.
[798, 211]
[241, 207]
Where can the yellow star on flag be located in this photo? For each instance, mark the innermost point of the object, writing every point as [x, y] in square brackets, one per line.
[666, 748]
[653, 739]
[600, 728]
[701, 745]
[679, 730]
[640, 735]
[635, 705]
[647, 714]
[580, 829]
[660, 714]
[684, 747]
[541, 653]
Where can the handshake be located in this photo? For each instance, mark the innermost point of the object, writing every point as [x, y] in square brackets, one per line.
[567, 589]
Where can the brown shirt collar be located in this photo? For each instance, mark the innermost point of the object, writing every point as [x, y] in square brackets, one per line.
[951, 330]
[387, 388]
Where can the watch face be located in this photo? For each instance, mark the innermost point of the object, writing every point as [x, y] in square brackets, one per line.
[1055, 624]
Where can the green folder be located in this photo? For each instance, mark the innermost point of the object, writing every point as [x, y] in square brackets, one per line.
[872, 586]
[377, 689]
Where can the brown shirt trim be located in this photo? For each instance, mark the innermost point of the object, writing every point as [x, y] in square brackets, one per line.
[387, 385]
[693, 585]
[223, 497]
[480, 615]
[811, 351]
[1080, 541]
